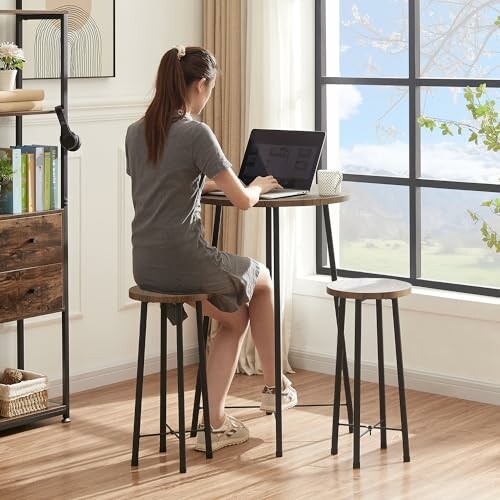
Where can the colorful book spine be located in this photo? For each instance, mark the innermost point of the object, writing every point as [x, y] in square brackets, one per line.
[54, 178]
[24, 187]
[17, 181]
[39, 178]
[47, 171]
[29, 151]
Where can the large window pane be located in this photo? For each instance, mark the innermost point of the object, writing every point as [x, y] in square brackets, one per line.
[372, 40]
[374, 229]
[459, 39]
[367, 129]
[452, 246]
[453, 157]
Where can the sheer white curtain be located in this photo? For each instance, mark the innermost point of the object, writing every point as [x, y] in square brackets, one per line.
[279, 77]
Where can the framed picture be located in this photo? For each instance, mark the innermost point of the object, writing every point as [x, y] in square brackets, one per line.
[91, 39]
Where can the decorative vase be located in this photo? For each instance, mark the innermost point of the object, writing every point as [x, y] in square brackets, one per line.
[8, 79]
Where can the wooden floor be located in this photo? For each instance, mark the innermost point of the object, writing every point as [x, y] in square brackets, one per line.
[454, 444]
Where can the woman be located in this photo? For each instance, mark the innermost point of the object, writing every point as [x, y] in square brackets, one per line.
[169, 157]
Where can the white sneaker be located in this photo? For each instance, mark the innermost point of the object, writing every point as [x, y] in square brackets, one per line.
[288, 397]
[231, 432]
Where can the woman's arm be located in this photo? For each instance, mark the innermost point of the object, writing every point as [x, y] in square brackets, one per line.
[209, 186]
[239, 195]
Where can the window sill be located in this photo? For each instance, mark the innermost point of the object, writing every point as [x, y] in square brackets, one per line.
[427, 300]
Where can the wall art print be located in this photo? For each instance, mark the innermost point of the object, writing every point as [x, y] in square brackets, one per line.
[91, 39]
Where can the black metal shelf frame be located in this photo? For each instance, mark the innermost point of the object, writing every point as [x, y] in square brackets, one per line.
[414, 181]
[64, 408]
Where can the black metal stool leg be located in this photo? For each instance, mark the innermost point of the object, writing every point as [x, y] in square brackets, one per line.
[401, 382]
[203, 376]
[338, 377]
[357, 385]
[197, 393]
[381, 378]
[163, 378]
[180, 390]
[139, 384]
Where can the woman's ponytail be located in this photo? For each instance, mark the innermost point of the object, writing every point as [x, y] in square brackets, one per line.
[178, 68]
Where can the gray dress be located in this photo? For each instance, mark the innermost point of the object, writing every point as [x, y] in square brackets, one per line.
[170, 253]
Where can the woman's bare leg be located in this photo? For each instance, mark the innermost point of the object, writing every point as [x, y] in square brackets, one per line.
[261, 312]
[223, 356]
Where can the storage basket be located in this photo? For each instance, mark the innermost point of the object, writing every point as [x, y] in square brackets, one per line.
[27, 396]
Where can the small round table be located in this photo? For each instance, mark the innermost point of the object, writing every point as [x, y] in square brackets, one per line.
[272, 261]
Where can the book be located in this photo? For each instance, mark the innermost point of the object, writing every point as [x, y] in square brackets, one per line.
[19, 95]
[29, 151]
[55, 201]
[11, 192]
[39, 178]
[13, 107]
[24, 185]
[47, 170]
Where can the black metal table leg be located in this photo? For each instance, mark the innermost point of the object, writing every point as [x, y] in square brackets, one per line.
[139, 384]
[163, 378]
[357, 385]
[20, 344]
[381, 377]
[206, 324]
[333, 275]
[338, 376]
[277, 331]
[269, 240]
[203, 378]
[401, 382]
[180, 390]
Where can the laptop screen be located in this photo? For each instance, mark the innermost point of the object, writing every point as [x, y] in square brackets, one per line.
[290, 156]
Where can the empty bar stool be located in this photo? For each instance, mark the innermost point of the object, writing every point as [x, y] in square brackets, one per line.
[177, 301]
[361, 289]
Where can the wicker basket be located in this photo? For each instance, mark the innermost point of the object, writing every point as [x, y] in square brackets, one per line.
[27, 396]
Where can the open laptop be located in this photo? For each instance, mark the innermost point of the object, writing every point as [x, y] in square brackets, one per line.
[290, 156]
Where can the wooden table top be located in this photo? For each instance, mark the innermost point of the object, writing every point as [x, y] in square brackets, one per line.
[293, 201]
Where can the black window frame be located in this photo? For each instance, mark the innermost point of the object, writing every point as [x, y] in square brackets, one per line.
[414, 181]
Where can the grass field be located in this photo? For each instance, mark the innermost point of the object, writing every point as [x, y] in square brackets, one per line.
[472, 266]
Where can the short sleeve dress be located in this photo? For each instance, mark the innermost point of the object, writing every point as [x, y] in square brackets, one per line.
[170, 253]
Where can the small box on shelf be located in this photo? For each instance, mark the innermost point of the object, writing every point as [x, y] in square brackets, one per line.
[26, 396]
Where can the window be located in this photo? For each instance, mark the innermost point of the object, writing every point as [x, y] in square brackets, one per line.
[380, 65]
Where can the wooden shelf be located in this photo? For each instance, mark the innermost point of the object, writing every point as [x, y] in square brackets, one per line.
[25, 113]
[33, 13]
[30, 214]
[53, 410]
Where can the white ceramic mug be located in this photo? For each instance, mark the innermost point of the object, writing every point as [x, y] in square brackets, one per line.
[329, 182]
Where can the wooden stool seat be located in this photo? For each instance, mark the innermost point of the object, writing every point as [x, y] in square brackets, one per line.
[141, 295]
[368, 288]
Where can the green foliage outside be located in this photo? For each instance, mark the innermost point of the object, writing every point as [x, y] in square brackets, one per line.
[5, 170]
[486, 129]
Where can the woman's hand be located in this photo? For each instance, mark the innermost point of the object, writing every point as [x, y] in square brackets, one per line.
[266, 184]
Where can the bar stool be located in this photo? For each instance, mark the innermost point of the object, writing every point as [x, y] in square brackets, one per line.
[163, 299]
[361, 289]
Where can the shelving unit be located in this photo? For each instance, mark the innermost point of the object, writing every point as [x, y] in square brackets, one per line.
[38, 244]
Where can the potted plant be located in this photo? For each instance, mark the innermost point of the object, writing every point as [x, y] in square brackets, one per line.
[485, 128]
[11, 59]
[6, 174]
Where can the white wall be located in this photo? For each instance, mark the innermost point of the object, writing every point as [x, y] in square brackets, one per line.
[104, 323]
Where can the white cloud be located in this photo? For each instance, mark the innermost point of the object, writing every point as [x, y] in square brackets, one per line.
[444, 161]
[344, 102]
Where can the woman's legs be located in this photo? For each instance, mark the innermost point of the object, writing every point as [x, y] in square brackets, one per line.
[261, 312]
[223, 356]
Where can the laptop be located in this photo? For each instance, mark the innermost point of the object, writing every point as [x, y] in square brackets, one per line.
[291, 156]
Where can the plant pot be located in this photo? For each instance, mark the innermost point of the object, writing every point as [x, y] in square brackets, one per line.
[8, 79]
